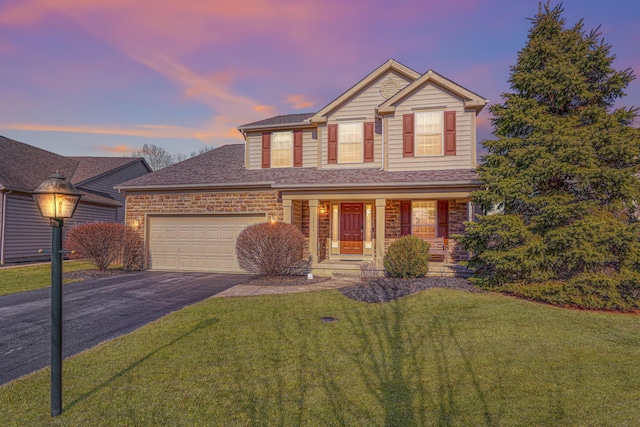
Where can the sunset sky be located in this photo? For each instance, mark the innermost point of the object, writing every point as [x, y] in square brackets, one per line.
[104, 77]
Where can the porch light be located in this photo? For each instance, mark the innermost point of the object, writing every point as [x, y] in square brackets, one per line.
[56, 199]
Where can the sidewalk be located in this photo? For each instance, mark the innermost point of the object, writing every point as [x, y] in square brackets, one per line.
[252, 290]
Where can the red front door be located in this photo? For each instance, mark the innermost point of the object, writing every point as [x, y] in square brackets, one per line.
[351, 228]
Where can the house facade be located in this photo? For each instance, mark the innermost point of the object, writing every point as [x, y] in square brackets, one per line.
[23, 167]
[393, 155]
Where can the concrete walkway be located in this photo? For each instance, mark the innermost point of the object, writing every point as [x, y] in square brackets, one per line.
[245, 290]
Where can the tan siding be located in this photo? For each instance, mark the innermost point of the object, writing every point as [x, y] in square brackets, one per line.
[254, 150]
[309, 149]
[431, 96]
[362, 108]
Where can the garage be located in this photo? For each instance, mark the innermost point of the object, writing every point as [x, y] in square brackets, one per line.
[196, 242]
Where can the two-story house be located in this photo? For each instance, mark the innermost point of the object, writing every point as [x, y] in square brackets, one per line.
[393, 155]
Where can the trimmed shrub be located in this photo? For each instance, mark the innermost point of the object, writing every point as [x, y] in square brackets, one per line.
[273, 249]
[105, 243]
[407, 258]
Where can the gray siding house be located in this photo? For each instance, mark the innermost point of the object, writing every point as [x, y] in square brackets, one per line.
[23, 167]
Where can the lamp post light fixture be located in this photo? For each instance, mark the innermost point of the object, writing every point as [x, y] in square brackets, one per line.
[56, 199]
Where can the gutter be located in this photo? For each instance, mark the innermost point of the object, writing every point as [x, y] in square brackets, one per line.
[239, 185]
[410, 184]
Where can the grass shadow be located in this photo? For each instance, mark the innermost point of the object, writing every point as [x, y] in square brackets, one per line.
[202, 325]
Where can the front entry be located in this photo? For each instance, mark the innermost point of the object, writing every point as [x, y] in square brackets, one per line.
[351, 228]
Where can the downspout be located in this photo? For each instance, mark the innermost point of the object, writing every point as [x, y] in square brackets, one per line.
[3, 215]
[378, 116]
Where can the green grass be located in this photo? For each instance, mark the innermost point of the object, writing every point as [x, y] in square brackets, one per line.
[438, 358]
[30, 277]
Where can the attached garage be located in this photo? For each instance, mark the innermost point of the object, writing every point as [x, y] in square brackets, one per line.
[196, 242]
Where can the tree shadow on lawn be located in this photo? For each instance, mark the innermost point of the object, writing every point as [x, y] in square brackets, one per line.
[382, 368]
[204, 324]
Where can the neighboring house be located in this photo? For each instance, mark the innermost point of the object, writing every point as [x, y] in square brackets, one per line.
[23, 167]
[393, 155]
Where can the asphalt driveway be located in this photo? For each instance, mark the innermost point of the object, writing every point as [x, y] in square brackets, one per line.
[95, 311]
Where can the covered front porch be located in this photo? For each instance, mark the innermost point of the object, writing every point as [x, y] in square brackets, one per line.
[346, 229]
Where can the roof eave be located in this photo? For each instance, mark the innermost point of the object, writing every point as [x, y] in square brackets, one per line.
[207, 186]
[298, 125]
[385, 185]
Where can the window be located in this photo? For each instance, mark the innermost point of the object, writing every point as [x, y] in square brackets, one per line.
[429, 141]
[423, 218]
[350, 142]
[281, 150]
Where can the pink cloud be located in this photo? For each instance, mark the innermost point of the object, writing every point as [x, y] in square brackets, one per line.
[118, 149]
[299, 102]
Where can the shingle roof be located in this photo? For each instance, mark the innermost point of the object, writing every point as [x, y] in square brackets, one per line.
[23, 167]
[277, 121]
[224, 167]
[91, 167]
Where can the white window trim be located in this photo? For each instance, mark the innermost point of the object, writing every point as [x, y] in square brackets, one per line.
[415, 133]
[273, 138]
[361, 143]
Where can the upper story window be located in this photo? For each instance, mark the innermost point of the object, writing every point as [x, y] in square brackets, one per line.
[350, 138]
[424, 218]
[281, 149]
[429, 133]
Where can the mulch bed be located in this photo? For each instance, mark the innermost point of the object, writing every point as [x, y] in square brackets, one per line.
[387, 289]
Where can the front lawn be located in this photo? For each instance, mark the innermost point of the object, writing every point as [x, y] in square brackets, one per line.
[30, 277]
[439, 357]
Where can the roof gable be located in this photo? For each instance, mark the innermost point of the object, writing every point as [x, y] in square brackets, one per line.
[90, 168]
[321, 116]
[471, 99]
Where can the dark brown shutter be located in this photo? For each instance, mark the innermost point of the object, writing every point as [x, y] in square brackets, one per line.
[449, 133]
[407, 135]
[405, 218]
[297, 148]
[368, 142]
[266, 149]
[443, 218]
[332, 140]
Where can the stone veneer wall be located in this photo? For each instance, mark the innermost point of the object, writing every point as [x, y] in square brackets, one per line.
[139, 204]
[457, 216]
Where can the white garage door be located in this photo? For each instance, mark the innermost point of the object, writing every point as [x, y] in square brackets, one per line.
[196, 243]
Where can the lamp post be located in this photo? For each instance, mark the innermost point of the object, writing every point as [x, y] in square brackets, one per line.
[56, 199]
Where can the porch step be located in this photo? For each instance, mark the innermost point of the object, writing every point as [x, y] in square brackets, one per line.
[352, 270]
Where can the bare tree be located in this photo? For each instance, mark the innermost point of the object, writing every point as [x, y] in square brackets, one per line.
[156, 156]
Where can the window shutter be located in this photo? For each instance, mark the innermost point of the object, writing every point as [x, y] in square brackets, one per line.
[407, 135]
[449, 133]
[368, 142]
[332, 154]
[443, 218]
[266, 150]
[297, 148]
[405, 218]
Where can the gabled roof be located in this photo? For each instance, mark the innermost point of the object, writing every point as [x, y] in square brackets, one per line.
[24, 167]
[471, 100]
[284, 121]
[390, 65]
[90, 168]
[223, 168]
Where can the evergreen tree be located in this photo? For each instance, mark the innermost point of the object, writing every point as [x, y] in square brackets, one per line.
[563, 171]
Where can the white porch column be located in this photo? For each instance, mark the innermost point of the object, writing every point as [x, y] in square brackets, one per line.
[287, 210]
[313, 229]
[380, 231]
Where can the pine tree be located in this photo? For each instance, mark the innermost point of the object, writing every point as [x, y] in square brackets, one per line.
[563, 171]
